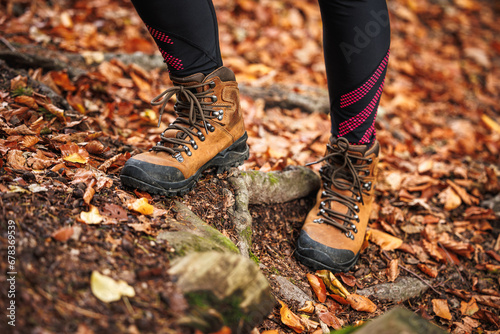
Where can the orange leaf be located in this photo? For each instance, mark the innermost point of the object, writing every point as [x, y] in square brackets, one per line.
[432, 272]
[290, 319]
[450, 199]
[141, 205]
[308, 307]
[361, 303]
[392, 270]
[440, 307]
[338, 299]
[385, 241]
[318, 287]
[348, 279]
[63, 234]
[89, 192]
[327, 317]
[469, 308]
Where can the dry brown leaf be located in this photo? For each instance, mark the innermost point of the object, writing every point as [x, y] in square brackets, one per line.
[492, 301]
[142, 227]
[460, 248]
[142, 206]
[290, 319]
[74, 153]
[29, 141]
[450, 199]
[327, 317]
[308, 307]
[348, 279]
[318, 287]
[469, 308]
[18, 82]
[432, 250]
[20, 130]
[92, 216]
[392, 271]
[332, 283]
[385, 241]
[466, 198]
[95, 147]
[63, 234]
[16, 160]
[58, 112]
[26, 101]
[89, 192]
[361, 303]
[441, 309]
[429, 271]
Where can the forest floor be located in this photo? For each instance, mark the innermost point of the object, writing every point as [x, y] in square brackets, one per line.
[65, 133]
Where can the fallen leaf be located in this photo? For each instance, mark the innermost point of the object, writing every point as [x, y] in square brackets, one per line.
[429, 271]
[16, 160]
[327, 317]
[361, 303]
[63, 234]
[392, 271]
[349, 280]
[450, 199]
[290, 319]
[466, 198]
[74, 153]
[469, 308]
[318, 287]
[142, 206]
[440, 308]
[332, 283]
[89, 192]
[95, 147]
[385, 241]
[92, 216]
[107, 289]
[308, 307]
[114, 211]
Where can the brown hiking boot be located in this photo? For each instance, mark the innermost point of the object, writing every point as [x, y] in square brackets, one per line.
[208, 132]
[335, 228]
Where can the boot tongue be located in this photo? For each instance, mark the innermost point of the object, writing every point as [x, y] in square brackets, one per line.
[192, 79]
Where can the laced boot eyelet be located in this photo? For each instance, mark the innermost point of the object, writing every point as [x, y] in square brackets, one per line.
[367, 185]
[214, 98]
[200, 135]
[220, 115]
[318, 221]
[188, 152]
[323, 193]
[358, 199]
[322, 211]
[323, 204]
[193, 144]
[211, 84]
[349, 235]
[356, 208]
[356, 217]
[179, 157]
[370, 160]
[354, 229]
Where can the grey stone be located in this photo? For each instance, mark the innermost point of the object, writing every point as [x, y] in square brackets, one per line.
[402, 289]
[399, 321]
[222, 289]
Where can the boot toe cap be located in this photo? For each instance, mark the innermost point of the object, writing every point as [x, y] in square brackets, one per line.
[138, 171]
[318, 256]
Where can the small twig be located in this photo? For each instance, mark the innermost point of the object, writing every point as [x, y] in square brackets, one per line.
[7, 44]
[453, 264]
[414, 274]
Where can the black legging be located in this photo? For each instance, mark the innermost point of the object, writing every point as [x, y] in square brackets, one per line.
[356, 38]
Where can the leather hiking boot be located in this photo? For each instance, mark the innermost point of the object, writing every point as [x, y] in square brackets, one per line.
[335, 228]
[208, 132]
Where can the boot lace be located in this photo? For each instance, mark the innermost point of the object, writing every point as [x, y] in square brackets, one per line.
[194, 115]
[343, 171]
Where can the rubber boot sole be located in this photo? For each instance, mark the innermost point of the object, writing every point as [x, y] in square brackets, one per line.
[233, 156]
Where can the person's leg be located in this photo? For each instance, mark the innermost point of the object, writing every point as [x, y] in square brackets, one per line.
[356, 45]
[209, 130]
[186, 33]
